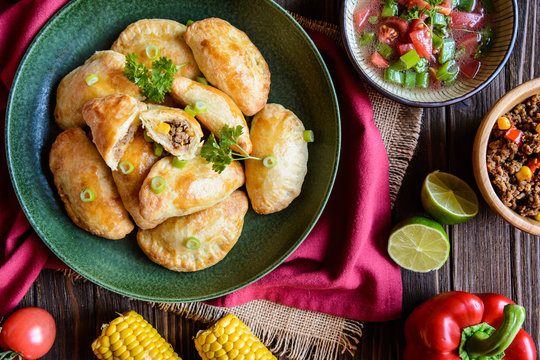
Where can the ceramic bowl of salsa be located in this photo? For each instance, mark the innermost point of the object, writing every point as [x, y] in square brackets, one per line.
[429, 53]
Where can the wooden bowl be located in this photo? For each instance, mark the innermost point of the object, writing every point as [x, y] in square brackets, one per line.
[505, 104]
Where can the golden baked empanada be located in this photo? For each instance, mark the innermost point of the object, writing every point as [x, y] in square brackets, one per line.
[103, 71]
[113, 119]
[221, 110]
[231, 62]
[81, 174]
[215, 230]
[179, 133]
[167, 36]
[193, 188]
[278, 132]
[140, 154]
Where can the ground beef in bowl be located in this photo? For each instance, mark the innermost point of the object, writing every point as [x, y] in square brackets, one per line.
[513, 158]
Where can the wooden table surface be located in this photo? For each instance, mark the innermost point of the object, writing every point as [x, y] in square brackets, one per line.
[487, 255]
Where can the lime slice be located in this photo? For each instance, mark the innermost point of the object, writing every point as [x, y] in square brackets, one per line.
[419, 244]
[448, 199]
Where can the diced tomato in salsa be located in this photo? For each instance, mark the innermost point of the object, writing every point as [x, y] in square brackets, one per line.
[470, 67]
[421, 40]
[466, 20]
[445, 7]
[469, 42]
[405, 48]
[379, 61]
[360, 19]
[389, 23]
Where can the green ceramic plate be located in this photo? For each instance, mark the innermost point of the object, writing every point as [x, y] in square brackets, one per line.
[300, 82]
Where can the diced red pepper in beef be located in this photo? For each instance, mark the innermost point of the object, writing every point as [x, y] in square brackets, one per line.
[514, 135]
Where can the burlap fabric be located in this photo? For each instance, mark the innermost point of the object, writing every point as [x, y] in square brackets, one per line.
[300, 334]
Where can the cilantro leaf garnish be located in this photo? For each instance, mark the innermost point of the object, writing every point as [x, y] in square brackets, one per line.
[411, 14]
[153, 83]
[220, 153]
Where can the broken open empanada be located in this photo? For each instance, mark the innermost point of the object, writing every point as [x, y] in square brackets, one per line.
[178, 133]
[113, 119]
[199, 240]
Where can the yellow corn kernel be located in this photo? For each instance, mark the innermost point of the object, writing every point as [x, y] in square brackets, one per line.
[235, 340]
[537, 217]
[130, 337]
[164, 128]
[524, 174]
[503, 123]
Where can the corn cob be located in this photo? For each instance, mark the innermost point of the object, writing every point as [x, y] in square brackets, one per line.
[130, 337]
[231, 339]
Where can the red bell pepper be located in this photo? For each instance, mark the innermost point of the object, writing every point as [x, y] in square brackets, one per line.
[459, 325]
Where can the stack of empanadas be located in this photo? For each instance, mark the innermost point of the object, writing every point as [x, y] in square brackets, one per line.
[143, 159]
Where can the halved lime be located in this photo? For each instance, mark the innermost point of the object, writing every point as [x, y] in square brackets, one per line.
[419, 244]
[448, 199]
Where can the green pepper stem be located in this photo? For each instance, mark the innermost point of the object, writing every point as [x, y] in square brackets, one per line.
[481, 345]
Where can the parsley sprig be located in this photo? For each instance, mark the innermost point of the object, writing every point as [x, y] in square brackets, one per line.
[220, 153]
[153, 83]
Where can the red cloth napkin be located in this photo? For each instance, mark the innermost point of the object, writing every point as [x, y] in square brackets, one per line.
[342, 268]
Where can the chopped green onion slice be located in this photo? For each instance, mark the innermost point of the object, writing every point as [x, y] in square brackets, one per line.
[91, 79]
[385, 50]
[158, 149]
[126, 167]
[202, 80]
[152, 51]
[410, 59]
[367, 38]
[309, 136]
[88, 195]
[189, 22]
[177, 163]
[158, 184]
[200, 106]
[182, 65]
[269, 161]
[147, 138]
[373, 19]
[193, 243]
[191, 111]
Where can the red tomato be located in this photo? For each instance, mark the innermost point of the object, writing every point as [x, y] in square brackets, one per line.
[392, 29]
[30, 331]
[470, 42]
[419, 24]
[470, 68]
[466, 20]
[360, 18]
[379, 61]
[405, 48]
[421, 40]
[446, 7]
